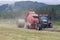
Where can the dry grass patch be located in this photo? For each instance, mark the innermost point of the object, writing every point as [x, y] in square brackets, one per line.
[27, 34]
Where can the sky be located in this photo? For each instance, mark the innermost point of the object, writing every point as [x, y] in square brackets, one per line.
[53, 2]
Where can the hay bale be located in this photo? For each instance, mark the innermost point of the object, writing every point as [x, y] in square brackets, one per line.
[20, 23]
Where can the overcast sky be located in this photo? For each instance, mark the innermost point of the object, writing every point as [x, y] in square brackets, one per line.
[43, 1]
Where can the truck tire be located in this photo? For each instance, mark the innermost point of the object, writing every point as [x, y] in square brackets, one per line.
[49, 25]
[39, 27]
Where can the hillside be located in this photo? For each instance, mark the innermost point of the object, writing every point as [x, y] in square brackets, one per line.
[22, 5]
[28, 4]
[18, 9]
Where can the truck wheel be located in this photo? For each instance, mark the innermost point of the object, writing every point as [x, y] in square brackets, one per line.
[50, 26]
[27, 26]
[39, 27]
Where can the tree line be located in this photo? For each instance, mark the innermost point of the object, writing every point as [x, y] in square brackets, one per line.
[52, 10]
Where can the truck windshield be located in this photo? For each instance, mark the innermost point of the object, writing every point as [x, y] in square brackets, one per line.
[35, 16]
[43, 18]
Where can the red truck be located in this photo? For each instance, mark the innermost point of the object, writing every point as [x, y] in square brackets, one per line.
[37, 21]
[30, 20]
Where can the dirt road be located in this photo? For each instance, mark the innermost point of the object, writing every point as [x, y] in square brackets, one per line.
[55, 28]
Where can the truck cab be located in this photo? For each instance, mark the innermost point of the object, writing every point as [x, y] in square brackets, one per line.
[44, 21]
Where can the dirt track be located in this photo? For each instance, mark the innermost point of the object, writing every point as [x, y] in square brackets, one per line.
[55, 28]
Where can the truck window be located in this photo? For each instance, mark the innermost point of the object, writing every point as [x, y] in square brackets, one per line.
[35, 16]
[43, 18]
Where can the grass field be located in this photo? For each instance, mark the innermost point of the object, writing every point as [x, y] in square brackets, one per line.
[56, 23]
[9, 31]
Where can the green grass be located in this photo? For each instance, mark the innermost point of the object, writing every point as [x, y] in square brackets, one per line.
[27, 34]
[9, 31]
[56, 23]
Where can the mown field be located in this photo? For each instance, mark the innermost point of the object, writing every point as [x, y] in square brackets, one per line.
[56, 23]
[9, 31]
[27, 34]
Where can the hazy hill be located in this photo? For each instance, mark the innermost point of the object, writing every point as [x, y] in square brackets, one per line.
[22, 5]
[18, 8]
[28, 4]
